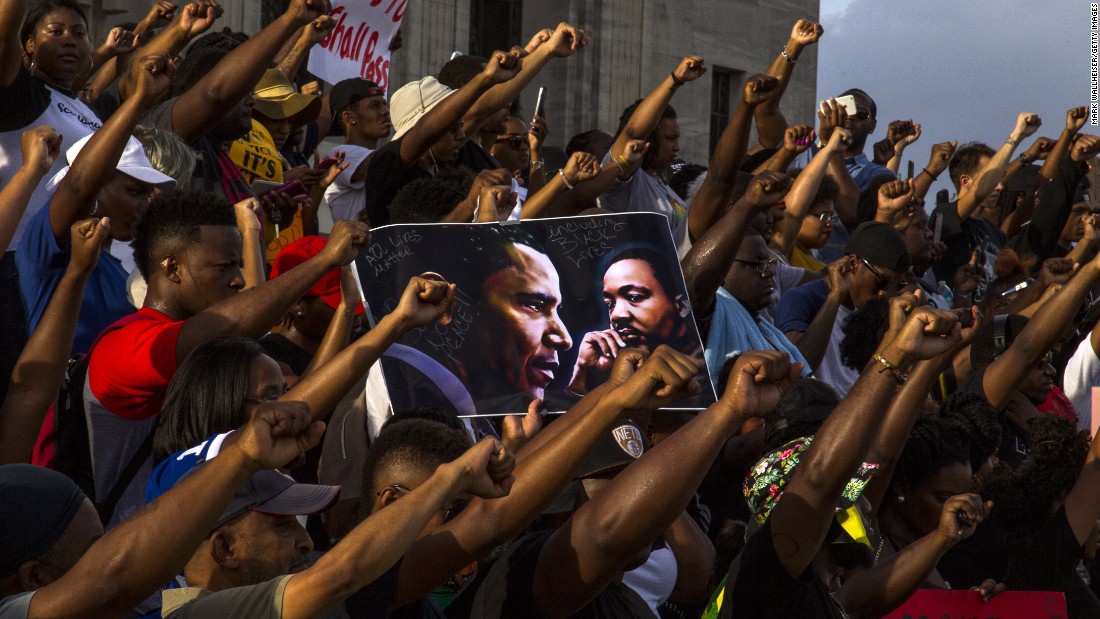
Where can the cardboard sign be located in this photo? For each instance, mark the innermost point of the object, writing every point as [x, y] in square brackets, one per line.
[359, 45]
[541, 310]
[930, 604]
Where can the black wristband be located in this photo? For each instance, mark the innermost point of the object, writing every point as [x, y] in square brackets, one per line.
[934, 176]
[675, 80]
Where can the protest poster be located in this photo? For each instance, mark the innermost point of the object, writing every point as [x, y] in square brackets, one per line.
[359, 45]
[541, 309]
[937, 604]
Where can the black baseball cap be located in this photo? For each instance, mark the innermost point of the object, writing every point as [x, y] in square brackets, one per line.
[350, 91]
[879, 244]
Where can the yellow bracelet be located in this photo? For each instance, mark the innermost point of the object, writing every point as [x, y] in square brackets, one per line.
[899, 376]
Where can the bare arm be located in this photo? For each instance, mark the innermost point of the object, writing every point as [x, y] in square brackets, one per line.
[310, 34]
[713, 196]
[709, 260]
[804, 190]
[937, 163]
[422, 303]
[770, 123]
[136, 558]
[41, 366]
[202, 106]
[565, 41]
[694, 560]
[580, 167]
[76, 195]
[252, 312]
[989, 176]
[446, 115]
[1007, 371]
[376, 544]
[801, 520]
[815, 339]
[40, 146]
[581, 557]
[11, 48]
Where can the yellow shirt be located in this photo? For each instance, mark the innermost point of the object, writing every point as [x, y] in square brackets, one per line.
[805, 260]
[258, 160]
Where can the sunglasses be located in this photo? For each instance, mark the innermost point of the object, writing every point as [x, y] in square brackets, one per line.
[761, 266]
[517, 142]
[449, 511]
[884, 282]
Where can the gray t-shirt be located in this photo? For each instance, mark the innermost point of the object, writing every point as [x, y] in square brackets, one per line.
[16, 606]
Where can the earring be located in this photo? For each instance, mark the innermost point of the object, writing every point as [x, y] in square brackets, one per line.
[901, 498]
[95, 207]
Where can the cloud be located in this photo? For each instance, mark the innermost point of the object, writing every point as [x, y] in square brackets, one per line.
[964, 70]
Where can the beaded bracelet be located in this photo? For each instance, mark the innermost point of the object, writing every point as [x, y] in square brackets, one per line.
[899, 376]
[568, 185]
[786, 56]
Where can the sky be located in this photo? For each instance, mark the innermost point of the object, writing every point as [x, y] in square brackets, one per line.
[963, 69]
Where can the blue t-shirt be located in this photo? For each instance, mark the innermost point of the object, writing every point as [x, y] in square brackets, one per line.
[799, 305]
[171, 470]
[42, 263]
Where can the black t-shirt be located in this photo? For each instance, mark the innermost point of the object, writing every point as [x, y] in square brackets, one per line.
[372, 601]
[962, 238]
[506, 590]
[385, 177]
[1015, 447]
[764, 588]
[281, 349]
[476, 158]
[1048, 562]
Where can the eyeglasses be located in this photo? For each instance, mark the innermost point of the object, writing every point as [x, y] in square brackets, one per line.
[884, 282]
[449, 511]
[270, 397]
[826, 218]
[761, 266]
[517, 142]
[862, 113]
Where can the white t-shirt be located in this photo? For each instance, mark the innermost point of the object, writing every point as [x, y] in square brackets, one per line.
[1082, 373]
[655, 579]
[69, 116]
[648, 194]
[346, 198]
[832, 370]
[17, 606]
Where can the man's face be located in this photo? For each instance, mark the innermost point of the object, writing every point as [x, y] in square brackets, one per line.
[371, 117]
[524, 331]
[1075, 224]
[1039, 381]
[268, 546]
[511, 148]
[639, 308]
[750, 286]
[873, 281]
[445, 150]
[918, 238]
[210, 270]
[279, 128]
[861, 124]
[236, 123]
[924, 504]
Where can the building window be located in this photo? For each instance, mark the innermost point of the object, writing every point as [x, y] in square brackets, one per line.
[723, 96]
[495, 24]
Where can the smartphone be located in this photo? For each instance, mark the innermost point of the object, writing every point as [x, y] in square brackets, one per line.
[937, 227]
[848, 102]
[327, 163]
[294, 188]
[539, 103]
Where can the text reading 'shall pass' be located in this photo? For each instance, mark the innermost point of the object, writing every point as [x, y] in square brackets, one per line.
[359, 45]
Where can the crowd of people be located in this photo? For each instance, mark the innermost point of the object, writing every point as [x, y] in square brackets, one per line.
[184, 354]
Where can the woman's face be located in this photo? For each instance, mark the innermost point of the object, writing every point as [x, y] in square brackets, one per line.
[817, 225]
[666, 142]
[123, 198]
[923, 505]
[59, 46]
[265, 383]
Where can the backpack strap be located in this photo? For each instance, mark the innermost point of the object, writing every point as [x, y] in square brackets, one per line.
[106, 509]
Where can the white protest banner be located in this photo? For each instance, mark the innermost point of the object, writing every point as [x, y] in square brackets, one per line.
[359, 45]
